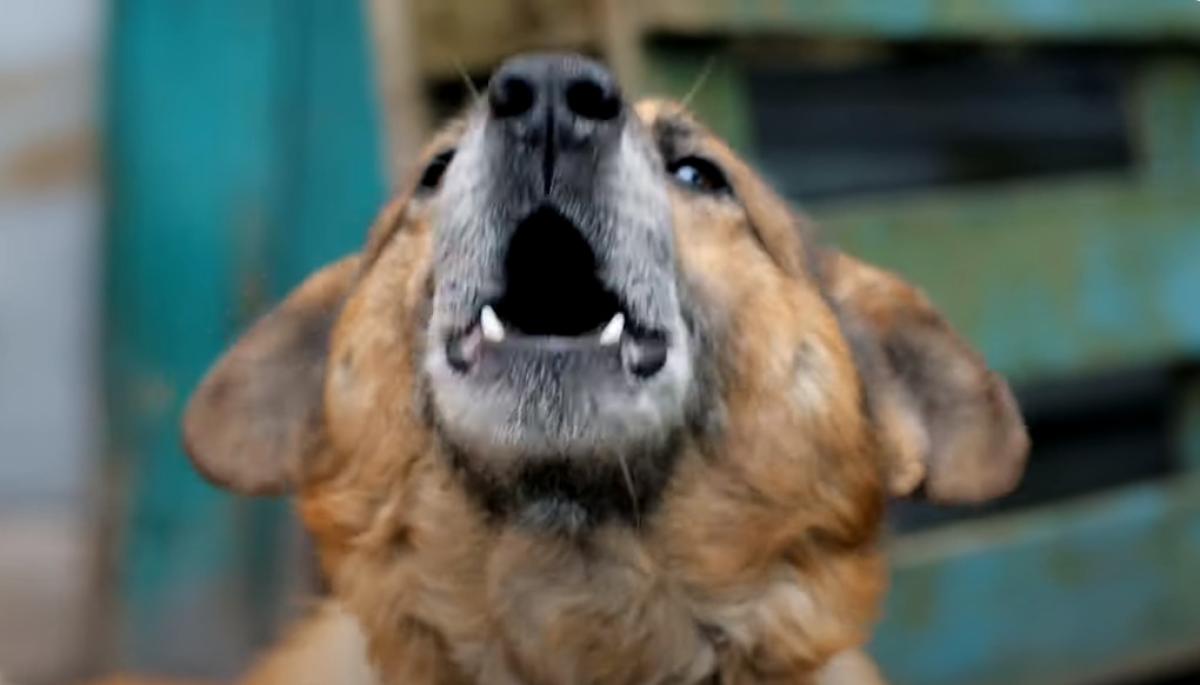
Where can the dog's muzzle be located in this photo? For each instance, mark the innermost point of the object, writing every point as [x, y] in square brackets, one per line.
[557, 334]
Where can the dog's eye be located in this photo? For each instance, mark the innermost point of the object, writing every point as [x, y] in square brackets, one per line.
[432, 175]
[699, 174]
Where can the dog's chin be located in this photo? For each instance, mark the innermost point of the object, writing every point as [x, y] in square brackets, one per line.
[562, 434]
[566, 494]
[560, 455]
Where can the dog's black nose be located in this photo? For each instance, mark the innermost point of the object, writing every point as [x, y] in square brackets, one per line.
[562, 89]
[552, 117]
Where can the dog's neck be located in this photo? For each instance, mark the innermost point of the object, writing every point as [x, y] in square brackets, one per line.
[597, 609]
[452, 598]
[329, 647]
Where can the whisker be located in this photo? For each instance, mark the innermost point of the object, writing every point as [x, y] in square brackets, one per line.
[701, 80]
[633, 500]
[466, 79]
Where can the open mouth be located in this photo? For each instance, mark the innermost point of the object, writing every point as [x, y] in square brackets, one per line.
[559, 365]
[552, 285]
[555, 301]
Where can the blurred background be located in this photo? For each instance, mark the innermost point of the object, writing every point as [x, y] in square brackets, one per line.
[168, 169]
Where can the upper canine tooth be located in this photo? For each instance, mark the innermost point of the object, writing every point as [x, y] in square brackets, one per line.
[611, 334]
[493, 330]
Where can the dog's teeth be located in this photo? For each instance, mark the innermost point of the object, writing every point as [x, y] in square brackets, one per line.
[611, 334]
[493, 330]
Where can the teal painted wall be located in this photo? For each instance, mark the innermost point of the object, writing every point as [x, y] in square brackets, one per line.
[241, 152]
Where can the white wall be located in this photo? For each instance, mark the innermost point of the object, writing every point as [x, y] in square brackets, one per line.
[49, 333]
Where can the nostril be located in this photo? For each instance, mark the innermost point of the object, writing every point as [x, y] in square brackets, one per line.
[592, 99]
[511, 96]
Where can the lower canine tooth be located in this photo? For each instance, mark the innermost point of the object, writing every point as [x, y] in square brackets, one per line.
[493, 330]
[611, 334]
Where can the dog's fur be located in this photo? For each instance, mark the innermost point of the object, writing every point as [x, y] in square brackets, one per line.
[818, 387]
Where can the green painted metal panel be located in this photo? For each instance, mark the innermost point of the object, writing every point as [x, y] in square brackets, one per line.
[1166, 111]
[1021, 20]
[241, 151]
[1049, 279]
[1057, 595]
[1186, 425]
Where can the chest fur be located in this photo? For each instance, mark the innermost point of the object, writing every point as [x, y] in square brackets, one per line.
[540, 613]
[447, 598]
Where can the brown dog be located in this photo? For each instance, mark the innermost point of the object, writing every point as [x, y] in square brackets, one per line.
[591, 407]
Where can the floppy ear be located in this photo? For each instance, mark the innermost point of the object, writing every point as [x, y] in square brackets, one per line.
[257, 415]
[949, 424]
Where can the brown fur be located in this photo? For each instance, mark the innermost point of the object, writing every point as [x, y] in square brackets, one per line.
[839, 384]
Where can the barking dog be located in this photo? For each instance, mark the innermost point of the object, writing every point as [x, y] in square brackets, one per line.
[591, 406]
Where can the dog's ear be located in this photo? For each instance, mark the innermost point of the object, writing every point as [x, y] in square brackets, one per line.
[950, 425]
[257, 415]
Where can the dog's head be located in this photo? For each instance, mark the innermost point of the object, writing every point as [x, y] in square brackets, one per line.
[588, 324]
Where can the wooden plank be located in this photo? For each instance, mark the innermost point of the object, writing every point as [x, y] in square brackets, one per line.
[44, 594]
[1049, 279]
[1014, 20]
[242, 151]
[1067, 594]
[399, 82]
[477, 35]
[622, 41]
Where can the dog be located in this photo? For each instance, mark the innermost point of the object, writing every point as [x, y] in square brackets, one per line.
[593, 405]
